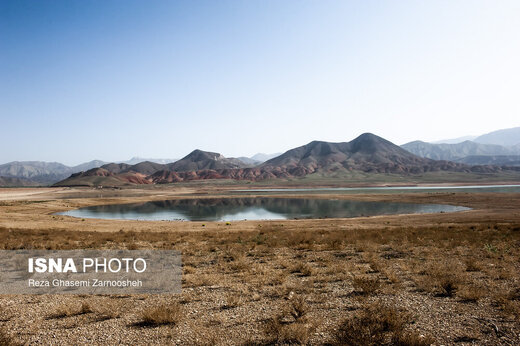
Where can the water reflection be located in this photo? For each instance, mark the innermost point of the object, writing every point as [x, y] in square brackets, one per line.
[258, 208]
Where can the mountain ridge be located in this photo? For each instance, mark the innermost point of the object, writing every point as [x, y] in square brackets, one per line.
[444, 151]
[41, 172]
[505, 137]
[366, 153]
[201, 160]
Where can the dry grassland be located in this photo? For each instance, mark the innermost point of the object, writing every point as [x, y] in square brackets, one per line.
[396, 280]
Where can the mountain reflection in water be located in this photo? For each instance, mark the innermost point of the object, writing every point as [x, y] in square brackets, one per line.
[253, 208]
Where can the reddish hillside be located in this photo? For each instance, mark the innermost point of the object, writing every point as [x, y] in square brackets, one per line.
[367, 153]
[201, 160]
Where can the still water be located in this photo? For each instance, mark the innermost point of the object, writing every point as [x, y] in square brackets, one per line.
[253, 208]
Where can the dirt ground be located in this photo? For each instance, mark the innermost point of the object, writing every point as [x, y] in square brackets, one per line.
[447, 278]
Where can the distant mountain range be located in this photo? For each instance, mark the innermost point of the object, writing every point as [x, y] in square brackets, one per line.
[495, 160]
[505, 137]
[136, 159]
[42, 173]
[261, 157]
[367, 153]
[454, 152]
[37, 173]
[495, 148]
[455, 140]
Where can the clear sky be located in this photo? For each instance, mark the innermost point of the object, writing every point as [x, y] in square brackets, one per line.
[83, 80]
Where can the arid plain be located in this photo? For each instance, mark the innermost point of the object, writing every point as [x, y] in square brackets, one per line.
[447, 278]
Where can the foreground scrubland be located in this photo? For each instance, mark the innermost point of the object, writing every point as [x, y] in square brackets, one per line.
[372, 281]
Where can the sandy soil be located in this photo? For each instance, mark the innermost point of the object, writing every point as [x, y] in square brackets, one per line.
[7, 194]
[242, 281]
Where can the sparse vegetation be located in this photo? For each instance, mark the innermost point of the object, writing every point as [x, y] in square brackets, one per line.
[297, 308]
[442, 279]
[232, 300]
[291, 325]
[168, 313]
[296, 282]
[71, 309]
[279, 332]
[472, 265]
[471, 293]
[376, 324]
[509, 302]
[107, 310]
[365, 285]
[304, 269]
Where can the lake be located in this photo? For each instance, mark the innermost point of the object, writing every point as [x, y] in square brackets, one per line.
[253, 208]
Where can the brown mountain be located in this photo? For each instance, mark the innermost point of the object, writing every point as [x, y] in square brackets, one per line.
[116, 167]
[367, 153]
[195, 166]
[201, 160]
[95, 177]
[146, 168]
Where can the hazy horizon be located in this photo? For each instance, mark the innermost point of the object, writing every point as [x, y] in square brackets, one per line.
[209, 149]
[110, 81]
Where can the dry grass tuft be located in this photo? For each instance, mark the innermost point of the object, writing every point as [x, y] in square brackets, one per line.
[365, 285]
[442, 279]
[85, 309]
[108, 310]
[472, 265]
[68, 310]
[291, 325]
[170, 313]
[376, 324]
[445, 284]
[411, 339]
[509, 302]
[304, 269]
[279, 332]
[232, 300]
[297, 308]
[471, 293]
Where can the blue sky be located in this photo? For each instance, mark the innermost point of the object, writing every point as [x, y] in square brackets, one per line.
[83, 80]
